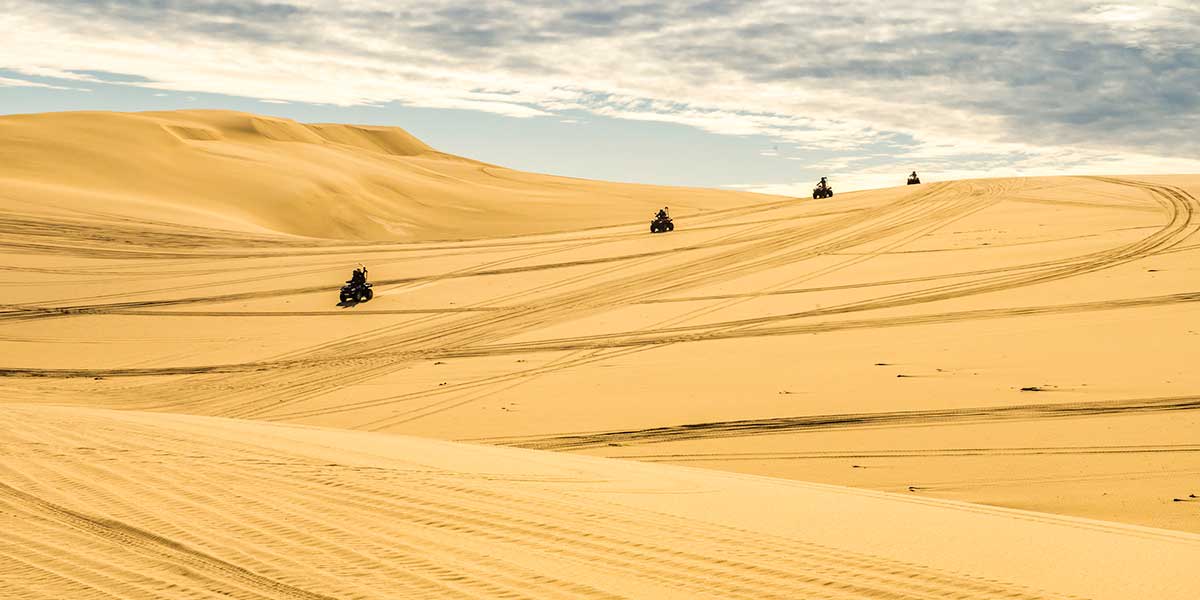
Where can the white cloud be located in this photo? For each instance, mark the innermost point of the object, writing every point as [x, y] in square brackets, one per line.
[990, 84]
[11, 82]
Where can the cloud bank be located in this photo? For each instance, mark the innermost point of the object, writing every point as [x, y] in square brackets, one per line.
[970, 87]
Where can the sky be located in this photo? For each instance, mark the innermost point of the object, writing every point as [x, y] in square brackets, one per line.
[763, 95]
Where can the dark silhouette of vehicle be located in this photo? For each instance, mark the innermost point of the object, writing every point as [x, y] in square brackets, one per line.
[662, 224]
[357, 291]
[822, 190]
[913, 179]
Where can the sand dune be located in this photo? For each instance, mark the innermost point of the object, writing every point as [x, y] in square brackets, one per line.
[132, 505]
[269, 175]
[968, 356]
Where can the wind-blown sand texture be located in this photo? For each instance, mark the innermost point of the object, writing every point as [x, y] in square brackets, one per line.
[124, 504]
[968, 357]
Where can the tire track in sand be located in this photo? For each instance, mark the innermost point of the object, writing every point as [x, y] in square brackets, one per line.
[920, 453]
[913, 418]
[155, 546]
[767, 251]
[286, 388]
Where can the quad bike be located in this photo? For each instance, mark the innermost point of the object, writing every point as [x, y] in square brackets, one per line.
[357, 292]
[822, 191]
[662, 225]
[913, 180]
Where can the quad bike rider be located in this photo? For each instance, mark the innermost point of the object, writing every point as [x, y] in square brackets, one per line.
[357, 289]
[822, 190]
[662, 222]
[913, 179]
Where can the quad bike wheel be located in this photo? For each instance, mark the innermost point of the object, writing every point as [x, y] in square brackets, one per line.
[365, 295]
[346, 297]
[670, 227]
[654, 228]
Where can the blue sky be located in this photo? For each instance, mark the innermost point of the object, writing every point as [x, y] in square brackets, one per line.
[765, 95]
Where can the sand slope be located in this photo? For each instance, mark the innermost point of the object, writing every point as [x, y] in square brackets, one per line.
[247, 172]
[101, 504]
[1016, 343]
[1021, 343]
